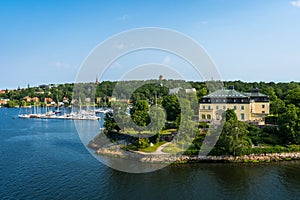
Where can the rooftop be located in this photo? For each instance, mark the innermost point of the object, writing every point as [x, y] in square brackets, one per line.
[226, 94]
[255, 94]
[232, 93]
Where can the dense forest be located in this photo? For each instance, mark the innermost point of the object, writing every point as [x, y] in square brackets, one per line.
[237, 137]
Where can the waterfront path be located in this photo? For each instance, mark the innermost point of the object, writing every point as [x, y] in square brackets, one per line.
[158, 150]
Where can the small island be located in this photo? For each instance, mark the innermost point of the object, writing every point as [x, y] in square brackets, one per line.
[166, 120]
[253, 126]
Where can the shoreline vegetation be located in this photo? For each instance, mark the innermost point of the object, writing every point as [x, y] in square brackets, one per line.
[148, 114]
[160, 153]
[181, 159]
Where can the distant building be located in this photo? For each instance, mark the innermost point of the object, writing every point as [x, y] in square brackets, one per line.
[176, 90]
[249, 107]
[48, 100]
[190, 90]
[27, 98]
[40, 92]
[114, 99]
[35, 99]
[3, 101]
[88, 99]
[65, 100]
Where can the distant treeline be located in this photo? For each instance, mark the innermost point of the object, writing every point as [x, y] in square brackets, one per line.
[281, 94]
[236, 138]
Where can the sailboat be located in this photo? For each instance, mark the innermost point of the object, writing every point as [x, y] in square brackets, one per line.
[23, 115]
[30, 115]
[57, 111]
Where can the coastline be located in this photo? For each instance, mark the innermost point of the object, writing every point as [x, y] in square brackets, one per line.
[169, 158]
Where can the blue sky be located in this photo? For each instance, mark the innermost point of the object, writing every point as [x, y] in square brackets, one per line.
[46, 41]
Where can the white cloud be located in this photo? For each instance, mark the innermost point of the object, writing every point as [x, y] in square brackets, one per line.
[295, 3]
[166, 60]
[124, 17]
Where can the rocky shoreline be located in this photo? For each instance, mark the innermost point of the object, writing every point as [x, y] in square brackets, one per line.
[168, 158]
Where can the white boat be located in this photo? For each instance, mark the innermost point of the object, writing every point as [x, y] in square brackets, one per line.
[102, 110]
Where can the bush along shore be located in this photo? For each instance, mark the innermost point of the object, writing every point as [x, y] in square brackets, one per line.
[155, 157]
[169, 158]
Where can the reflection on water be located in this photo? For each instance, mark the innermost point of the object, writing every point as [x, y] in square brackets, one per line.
[209, 181]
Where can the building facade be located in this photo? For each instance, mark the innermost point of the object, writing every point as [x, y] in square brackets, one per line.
[249, 107]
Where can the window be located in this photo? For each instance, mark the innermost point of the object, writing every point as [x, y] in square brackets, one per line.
[242, 108]
[234, 107]
[263, 106]
[208, 116]
[208, 107]
[224, 107]
[203, 107]
[203, 117]
[242, 116]
[217, 107]
[263, 111]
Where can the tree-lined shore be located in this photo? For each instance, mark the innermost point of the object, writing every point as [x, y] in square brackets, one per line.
[154, 101]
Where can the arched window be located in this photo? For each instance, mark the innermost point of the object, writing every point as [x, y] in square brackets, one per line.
[203, 117]
[208, 116]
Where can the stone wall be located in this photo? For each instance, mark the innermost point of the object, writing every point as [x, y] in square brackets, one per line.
[165, 158]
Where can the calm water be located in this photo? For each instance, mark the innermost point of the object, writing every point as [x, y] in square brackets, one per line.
[43, 159]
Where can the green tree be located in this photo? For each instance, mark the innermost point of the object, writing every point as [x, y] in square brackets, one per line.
[277, 107]
[233, 137]
[120, 114]
[289, 124]
[172, 106]
[293, 97]
[12, 103]
[139, 113]
[143, 143]
[158, 118]
[110, 123]
[230, 115]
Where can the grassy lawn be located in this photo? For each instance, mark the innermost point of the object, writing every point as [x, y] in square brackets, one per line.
[153, 148]
[133, 132]
[168, 131]
[172, 149]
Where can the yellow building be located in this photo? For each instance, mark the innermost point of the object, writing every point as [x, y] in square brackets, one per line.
[249, 107]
